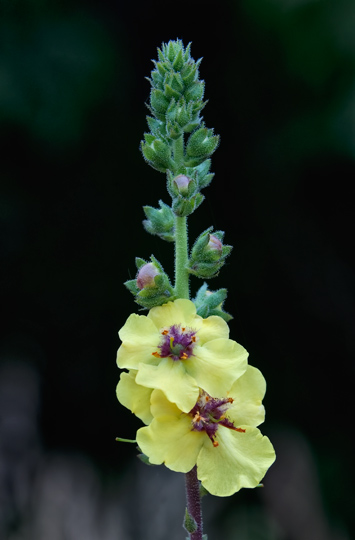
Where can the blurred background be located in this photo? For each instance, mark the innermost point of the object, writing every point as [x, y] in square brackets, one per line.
[280, 80]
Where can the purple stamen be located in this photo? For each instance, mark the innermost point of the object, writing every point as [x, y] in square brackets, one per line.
[209, 413]
[177, 343]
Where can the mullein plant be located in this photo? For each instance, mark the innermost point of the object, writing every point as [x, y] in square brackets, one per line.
[189, 383]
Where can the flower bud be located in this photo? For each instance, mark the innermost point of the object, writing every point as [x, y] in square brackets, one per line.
[208, 254]
[182, 184]
[152, 286]
[201, 143]
[214, 244]
[211, 303]
[146, 275]
[160, 221]
[156, 152]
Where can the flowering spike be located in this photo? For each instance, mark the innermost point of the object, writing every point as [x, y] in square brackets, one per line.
[190, 384]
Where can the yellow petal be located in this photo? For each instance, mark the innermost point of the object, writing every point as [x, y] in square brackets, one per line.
[137, 327]
[140, 339]
[162, 407]
[180, 311]
[134, 397]
[212, 328]
[216, 365]
[170, 377]
[240, 460]
[248, 392]
[169, 439]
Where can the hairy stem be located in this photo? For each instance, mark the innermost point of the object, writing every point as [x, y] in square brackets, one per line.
[181, 258]
[194, 502]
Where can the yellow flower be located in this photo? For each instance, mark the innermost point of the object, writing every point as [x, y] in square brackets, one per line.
[133, 396]
[177, 351]
[217, 434]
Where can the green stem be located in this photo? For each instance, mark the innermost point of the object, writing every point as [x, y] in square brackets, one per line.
[181, 258]
[181, 239]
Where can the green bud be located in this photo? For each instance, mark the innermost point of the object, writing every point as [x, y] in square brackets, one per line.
[159, 102]
[160, 222]
[163, 151]
[211, 303]
[189, 74]
[178, 61]
[201, 143]
[173, 130]
[195, 91]
[157, 153]
[171, 93]
[208, 254]
[177, 82]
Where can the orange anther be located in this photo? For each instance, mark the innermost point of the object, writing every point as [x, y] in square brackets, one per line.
[183, 356]
[239, 429]
[165, 332]
[215, 444]
[156, 354]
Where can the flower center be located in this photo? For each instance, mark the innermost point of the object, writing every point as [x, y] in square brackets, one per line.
[177, 342]
[209, 413]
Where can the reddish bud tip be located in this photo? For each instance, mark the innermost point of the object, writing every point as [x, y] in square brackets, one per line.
[215, 243]
[146, 275]
[182, 183]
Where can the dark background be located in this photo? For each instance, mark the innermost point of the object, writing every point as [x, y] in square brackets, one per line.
[280, 80]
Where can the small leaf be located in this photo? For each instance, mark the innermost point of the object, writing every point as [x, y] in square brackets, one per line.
[189, 524]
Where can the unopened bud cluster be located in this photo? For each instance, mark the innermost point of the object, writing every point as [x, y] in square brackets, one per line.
[179, 145]
[176, 100]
